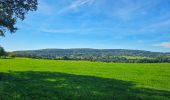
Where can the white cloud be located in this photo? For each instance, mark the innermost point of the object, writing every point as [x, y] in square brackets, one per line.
[80, 3]
[128, 9]
[67, 30]
[140, 41]
[76, 5]
[85, 30]
[45, 8]
[163, 44]
[59, 30]
[156, 26]
[163, 23]
[126, 12]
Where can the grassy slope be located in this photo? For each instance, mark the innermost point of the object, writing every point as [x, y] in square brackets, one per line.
[28, 78]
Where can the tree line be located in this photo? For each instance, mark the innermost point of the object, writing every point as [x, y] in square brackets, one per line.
[90, 56]
[107, 55]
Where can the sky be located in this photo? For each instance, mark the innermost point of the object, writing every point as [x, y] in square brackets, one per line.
[101, 24]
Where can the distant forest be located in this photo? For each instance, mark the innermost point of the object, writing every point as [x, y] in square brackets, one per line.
[104, 55]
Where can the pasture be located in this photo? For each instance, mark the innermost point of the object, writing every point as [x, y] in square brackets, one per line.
[33, 79]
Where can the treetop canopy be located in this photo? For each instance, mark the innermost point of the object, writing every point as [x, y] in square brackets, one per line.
[11, 10]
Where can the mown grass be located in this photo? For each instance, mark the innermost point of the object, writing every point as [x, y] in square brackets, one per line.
[26, 79]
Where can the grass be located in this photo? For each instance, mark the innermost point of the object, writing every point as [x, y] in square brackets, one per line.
[31, 79]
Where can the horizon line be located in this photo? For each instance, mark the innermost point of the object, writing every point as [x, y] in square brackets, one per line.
[89, 48]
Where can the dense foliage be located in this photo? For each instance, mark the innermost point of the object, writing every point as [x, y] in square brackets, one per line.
[2, 51]
[105, 55]
[11, 10]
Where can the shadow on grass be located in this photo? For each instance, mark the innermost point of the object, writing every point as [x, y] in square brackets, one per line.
[6, 58]
[61, 86]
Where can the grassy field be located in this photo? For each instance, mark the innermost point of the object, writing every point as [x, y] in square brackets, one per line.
[31, 79]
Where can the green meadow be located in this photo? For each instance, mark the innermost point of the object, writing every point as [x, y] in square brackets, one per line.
[33, 79]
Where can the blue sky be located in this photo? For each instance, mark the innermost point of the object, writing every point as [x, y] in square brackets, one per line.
[109, 24]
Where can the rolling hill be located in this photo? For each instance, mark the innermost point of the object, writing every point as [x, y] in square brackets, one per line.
[107, 55]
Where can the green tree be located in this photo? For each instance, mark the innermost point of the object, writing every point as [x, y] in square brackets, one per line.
[2, 52]
[11, 10]
[11, 54]
[64, 58]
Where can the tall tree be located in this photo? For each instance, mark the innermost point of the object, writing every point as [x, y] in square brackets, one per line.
[11, 10]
